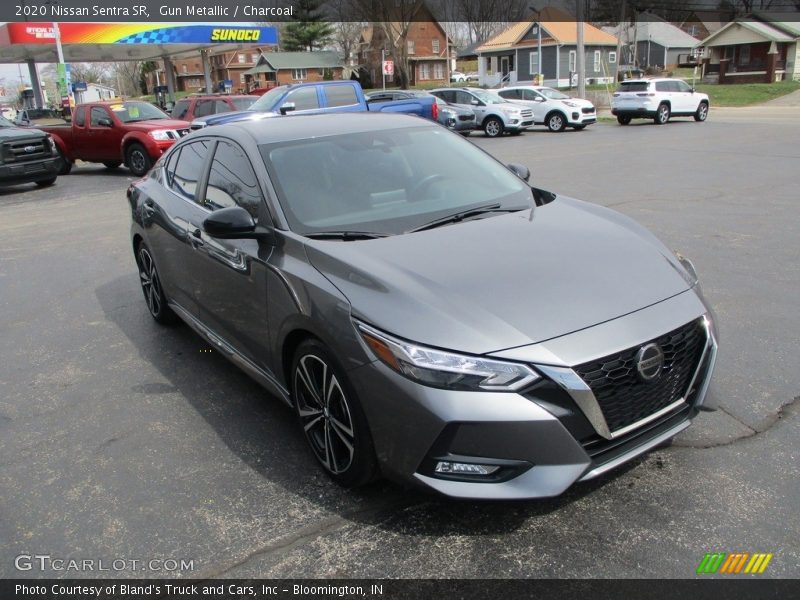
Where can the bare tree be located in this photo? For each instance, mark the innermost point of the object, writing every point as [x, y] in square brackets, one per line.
[127, 77]
[346, 26]
[485, 18]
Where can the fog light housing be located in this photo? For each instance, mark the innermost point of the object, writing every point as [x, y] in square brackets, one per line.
[575, 116]
[458, 468]
[514, 121]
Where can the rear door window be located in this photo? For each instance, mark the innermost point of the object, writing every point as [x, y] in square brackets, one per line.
[340, 95]
[203, 108]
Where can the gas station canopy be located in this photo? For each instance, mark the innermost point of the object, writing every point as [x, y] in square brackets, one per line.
[111, 42]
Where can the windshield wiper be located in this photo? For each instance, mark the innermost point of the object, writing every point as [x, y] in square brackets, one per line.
[346, 236]
[465, 214]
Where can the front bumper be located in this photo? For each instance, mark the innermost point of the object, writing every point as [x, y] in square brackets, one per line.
[577, 116]
[541, 439]
[30, 171]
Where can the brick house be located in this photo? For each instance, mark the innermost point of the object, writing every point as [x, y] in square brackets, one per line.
[281, 68]
[425, 45]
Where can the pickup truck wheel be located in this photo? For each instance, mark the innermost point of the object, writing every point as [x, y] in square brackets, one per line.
[662, 115]
[66, 164]
[137, 160]
[46, 182]
[112, 164]
[556, 122]
[702, 112]
[493, 127]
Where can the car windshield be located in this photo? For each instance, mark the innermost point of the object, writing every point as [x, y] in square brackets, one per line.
[387, 182]
[245, 102]
[552, 94]
[268, 100]
[488, 97]
[5, 122]
[131, 112]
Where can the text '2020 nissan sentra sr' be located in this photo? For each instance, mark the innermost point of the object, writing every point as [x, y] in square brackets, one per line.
[429, 315]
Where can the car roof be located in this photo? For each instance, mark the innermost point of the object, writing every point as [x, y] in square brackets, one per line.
[300, 127]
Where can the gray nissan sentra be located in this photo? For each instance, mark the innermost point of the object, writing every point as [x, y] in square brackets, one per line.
[429, 315]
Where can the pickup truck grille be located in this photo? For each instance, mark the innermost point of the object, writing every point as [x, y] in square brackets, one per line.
[26, 150]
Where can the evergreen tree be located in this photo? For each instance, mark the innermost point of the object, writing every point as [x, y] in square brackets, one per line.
[310, 31]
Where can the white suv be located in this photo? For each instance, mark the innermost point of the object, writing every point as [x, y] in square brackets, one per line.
[495, 115]
[657, 99]
[551, 107]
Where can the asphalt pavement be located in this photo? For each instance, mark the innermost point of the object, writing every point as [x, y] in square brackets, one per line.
[121, 439]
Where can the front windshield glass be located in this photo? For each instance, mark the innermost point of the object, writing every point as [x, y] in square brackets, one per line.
[553, 94]
[268, 100]
[245, 102]
[488, 97]
[5, 122]
[387, 182]
[130, 112]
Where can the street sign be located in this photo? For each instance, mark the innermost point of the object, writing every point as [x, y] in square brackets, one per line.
[388, 67]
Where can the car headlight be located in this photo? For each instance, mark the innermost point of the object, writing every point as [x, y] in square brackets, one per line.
[692, 279]
[568, 103]
[161, 135]
[52, 143]
[437, 368]
[513, 112]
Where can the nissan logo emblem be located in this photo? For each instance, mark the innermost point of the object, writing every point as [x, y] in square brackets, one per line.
[649, 362]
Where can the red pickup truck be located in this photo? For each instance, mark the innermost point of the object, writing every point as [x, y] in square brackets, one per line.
[132, 132]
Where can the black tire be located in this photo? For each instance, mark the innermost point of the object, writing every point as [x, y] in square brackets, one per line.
[331, 417]
[556, 121]
[46, 182]
[112, 164]
[151, 287]
[137, 159]
[702, 112]
[623, 119]
[66, 164]
[662, 114]
[465, 133]
[515, 132]
[493, 127]
[579, 127]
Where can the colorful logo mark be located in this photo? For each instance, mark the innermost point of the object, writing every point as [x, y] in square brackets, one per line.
[734, 563]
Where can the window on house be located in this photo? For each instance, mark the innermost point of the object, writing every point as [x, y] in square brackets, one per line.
[573, 59]
[242, 78]
[185, 69]
[424, 71]
[411, 46]
[744, 55]
[435, 46]
[534, 66]
[300, 74]
[596, 61]
[438, 71]
[241, 58]
[612, 57]
[254, 57]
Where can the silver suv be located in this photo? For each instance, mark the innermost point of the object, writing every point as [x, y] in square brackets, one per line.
[495, 115]
[657, 99]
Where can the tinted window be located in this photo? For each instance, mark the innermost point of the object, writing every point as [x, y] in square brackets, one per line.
[180, 109]
[683, 86]
[98, 112]
[664, 86]
[304, 98]
[447, 95]
[634, 86]
[464, 98]
[529, 95]
[511, 94]
[221, 106]
[232, 181]
[184, 171]
[244, 103]
[340, 95]
[203, 108]
[80, 116]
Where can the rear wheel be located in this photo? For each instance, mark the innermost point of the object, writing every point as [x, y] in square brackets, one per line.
[329, 412]
[137, 159]
[702, 112]
[46, 182]
[623, 119]
[151, 287]
[112, 164]
[493, 127]
[556, 122]
[662, 115]
[465, 133]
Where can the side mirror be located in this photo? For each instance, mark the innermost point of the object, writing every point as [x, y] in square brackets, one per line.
[520, 171]
[538, 99]
[692, 90]
[230, 223]
[475, 102]
[287, 107]
[105, 122]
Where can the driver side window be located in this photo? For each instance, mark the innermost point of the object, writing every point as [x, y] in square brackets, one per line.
[98, 112]
[232, 181]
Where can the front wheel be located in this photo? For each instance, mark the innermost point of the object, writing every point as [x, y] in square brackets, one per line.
[138, 160]
[702, 112]
[66, 164]
[331, 417]
[556, 122]
[46, 182]
[623, 119]
[493, 127]
[662, 115]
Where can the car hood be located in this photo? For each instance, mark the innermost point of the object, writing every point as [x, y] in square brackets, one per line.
[230, 117]
[500, 282]
[12, 133]
[579, 101]
[155, 124]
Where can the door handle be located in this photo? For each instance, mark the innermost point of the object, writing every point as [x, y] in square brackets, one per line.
[196, 238]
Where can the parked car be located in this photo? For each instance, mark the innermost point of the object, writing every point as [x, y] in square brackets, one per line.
[203, 105]
[493, 114]
[27, 156]
[319, 98]
[131, 132]
[458, 77]
[457, 118]
[551, 107]
[659, 99]
[38, 116]
[396, 286]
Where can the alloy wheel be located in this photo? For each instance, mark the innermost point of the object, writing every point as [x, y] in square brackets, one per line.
[555, 123]
[151, 286]
[493, 128]
[324, 413]
[137, 161]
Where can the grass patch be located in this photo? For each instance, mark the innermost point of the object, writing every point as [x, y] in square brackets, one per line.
[745, 94]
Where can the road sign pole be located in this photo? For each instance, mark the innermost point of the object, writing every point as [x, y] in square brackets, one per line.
[383, 68]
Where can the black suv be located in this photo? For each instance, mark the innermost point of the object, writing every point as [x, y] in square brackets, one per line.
[26, 156]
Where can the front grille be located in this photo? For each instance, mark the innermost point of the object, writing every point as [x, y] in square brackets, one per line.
[25, 150]
[624, 398]
[466, 117]
[587, 111]
[526, 113]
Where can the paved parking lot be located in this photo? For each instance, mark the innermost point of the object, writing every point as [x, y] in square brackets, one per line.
[123, 440]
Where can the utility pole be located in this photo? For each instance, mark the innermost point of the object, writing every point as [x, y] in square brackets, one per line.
[581, 58]
[622, 30]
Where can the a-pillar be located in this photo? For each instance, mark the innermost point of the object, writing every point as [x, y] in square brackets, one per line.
[170, 77]
[37, 88]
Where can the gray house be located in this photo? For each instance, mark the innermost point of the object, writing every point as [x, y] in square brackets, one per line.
[653, 42]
